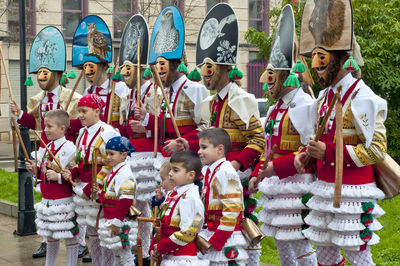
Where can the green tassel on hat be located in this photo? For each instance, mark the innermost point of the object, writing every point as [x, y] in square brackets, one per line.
[64, 79]
[195, 75]
[117, 77]
[110, 70]
[350, 64]
[182, 68]
[28, 82]
[265, 86]
[299, 67]
[71, 74]
[292, 81]
[147, 74]
[235, 74]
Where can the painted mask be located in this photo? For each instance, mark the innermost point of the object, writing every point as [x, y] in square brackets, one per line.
[210, 74]
[274, 79]
[162, 66]
[129, 73]
[320, 61]
[47, 79]
[91, 71]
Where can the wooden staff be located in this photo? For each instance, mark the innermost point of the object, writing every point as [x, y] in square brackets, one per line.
[14, 139]
[155, 120]
[94, 173]
[267, 159]
[52, 156]
[6, 72]
[74, 89]
[138, 92]
[36, 173]
[158, 80]
[139, 246]
[337, 194]
[324, 121]
[110, 105]
[21, 143]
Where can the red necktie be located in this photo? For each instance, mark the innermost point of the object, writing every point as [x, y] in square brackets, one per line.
[52, 148]
[330, 96]
[49, 101]
[84, 139]
[98, 90]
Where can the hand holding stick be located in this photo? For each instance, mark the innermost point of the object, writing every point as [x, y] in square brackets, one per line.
[159, 83]
[52, 156]
[321, 128]
[267, 159]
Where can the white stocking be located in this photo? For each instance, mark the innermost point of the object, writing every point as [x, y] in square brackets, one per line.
[363, 258]
[145, 228]
[303, 253]
[52, 251]
[328, 255]
[81, 235]
[72, 246]
[124, 257]
[95, 249]
[286, 255]
[254, 253]
[108, 256]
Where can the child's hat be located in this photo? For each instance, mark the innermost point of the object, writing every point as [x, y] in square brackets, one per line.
[121, 144]
[92, 100]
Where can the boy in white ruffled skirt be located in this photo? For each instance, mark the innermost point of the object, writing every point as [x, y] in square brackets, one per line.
[56, 218]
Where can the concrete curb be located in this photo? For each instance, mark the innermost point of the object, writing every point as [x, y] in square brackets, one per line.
[8, 208]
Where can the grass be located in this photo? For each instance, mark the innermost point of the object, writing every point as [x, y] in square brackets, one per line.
[386, 252]
[9, 187]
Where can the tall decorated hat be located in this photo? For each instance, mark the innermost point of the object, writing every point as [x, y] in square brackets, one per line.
[168, 36]
[282, 55]
[48, 51]
[218, 38]
[92, 42]
[328, 25]
[134, 29]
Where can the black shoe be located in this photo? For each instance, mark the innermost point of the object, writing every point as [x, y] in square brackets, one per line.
[82, 251]
[87, 258]
[41, 252]
[146, 261]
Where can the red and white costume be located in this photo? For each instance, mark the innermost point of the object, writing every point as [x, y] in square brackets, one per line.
[282, 199]
[223, 196]
[351, 226]
[56, 218]
[116, 197]
[182, 216]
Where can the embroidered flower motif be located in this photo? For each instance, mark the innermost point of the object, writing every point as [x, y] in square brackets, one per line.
[364, 120]
[225, 52]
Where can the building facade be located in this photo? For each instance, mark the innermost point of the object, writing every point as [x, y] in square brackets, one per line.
[66, 14]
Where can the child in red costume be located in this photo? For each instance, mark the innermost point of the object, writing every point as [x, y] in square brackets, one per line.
[56, 217]
[94, 135]
[223, 197]
[181, 214]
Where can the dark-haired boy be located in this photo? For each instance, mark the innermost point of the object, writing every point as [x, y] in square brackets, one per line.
[182, 213]
[223, 198]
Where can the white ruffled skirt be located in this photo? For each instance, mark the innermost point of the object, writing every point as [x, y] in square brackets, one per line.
[86, 210]
[350, 226]
[282, 206]
[55, 218]
[236, 240]
[170, 260]
[142, 166]
[114, 242]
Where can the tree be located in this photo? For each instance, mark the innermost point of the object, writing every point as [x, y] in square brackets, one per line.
[377, 31]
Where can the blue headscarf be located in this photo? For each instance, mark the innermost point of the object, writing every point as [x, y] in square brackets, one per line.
[121, 144]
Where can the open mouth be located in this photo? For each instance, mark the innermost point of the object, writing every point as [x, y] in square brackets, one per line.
[43, 82]
[320, 70]
[207, 78]
[162, 74]
[270, 85]
[126, 78]
[90, 75]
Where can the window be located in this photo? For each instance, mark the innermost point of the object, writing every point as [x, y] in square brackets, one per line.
[259, 15]
[180, 4]
[123, 10]
[254, 69]
[211, 3]
[13, 18]
[72, 13]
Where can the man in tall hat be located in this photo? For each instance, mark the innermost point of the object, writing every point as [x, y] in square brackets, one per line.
[92, 50]
[141, 160]
[184, 96]
[327, 37]
[231, 108]
[282, 199]
[47, 60]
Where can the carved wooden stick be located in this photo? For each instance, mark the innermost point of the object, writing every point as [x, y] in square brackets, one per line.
[139, 246]
[36, 172]
[324, 121]
[52, 156]
[6, 72]
[337, 195]
[155, 120]
[94, 173]
[14, 122]
[138, 92]
[159, 82]
[74, 89]
[110, 105]
[267, 159]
